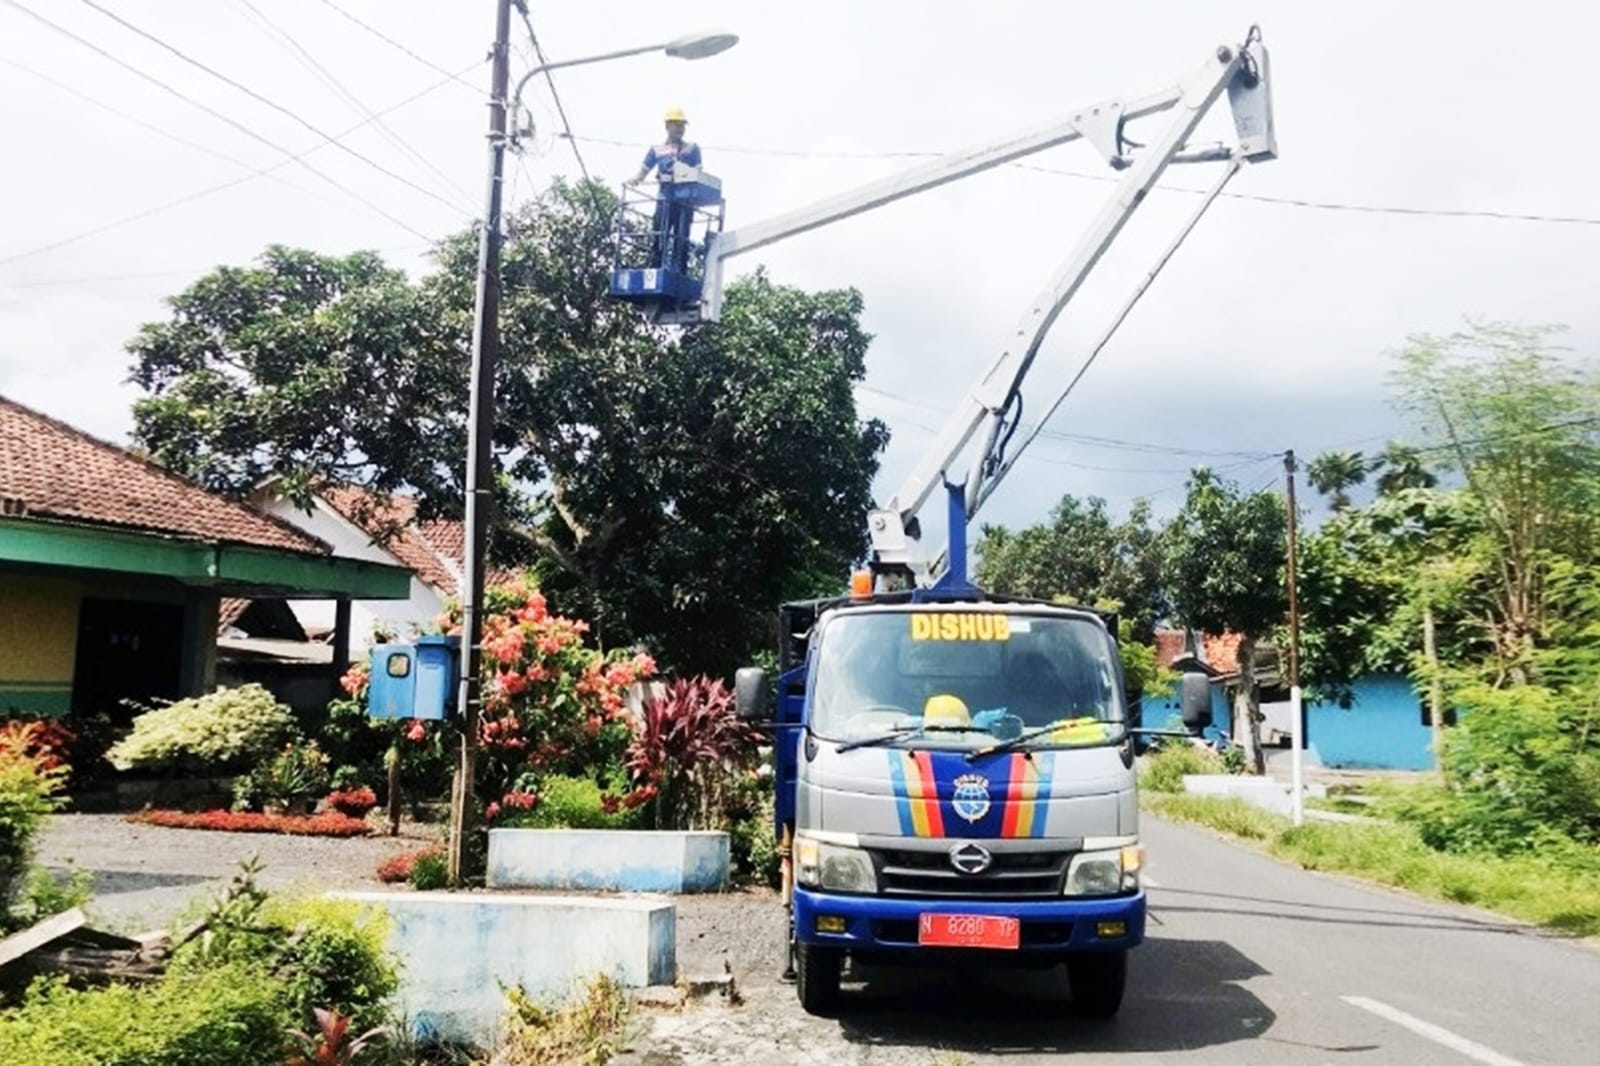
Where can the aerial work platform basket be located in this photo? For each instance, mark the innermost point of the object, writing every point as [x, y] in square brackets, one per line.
[660, 244]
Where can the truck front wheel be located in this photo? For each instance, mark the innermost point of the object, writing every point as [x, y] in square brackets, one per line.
[1098, 979]
[817, 978]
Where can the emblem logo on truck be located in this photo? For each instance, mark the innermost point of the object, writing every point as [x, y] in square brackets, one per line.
[971, 797]
[970, 858]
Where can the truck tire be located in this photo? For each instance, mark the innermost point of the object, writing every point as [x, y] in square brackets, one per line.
[1098, 979]
[817, 978]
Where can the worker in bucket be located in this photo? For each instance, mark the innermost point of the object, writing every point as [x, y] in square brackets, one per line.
[672, 220]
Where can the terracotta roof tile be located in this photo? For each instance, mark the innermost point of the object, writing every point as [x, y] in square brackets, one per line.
[423, 549]
[229, 610]
[50, 470]
[1221, 653]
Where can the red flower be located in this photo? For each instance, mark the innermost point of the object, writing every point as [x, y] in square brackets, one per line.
[416, 732]
[353, 802]
[320, 825]
[355, 678]
[397, 868]
[492, 811]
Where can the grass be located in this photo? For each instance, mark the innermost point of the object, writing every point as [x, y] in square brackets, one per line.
[1531, 888]
[587, 1033]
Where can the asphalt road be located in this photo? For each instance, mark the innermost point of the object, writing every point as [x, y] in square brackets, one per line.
[1247, 960]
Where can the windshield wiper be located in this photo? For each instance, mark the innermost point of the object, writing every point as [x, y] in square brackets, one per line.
[905, 731]
[1033, 734]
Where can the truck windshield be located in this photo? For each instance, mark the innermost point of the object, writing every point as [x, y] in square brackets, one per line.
[892, 674]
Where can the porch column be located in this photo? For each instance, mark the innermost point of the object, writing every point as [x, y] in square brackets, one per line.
[197, 667]
[341, 636]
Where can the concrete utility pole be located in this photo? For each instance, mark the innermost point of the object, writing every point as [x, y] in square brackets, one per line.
[480, 436]
[1297, 722]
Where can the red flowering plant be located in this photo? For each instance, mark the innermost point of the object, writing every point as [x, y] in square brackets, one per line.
[688, 756]
[551, 704]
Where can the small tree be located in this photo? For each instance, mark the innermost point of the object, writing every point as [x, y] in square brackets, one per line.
[1225, 560]
[1334, 473]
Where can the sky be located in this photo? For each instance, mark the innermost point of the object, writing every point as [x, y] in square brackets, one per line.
[1274, 327]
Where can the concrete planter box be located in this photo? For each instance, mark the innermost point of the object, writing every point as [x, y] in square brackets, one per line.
[1264, 792]
[459, 951]
[608, 860]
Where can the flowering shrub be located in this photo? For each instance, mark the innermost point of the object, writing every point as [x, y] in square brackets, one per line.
[514, 805]
[550, 704]
[28, 787]
[230, 729]
[46, 740]
[306, 825]
[352, 802]
[399, 868]
[688, 754]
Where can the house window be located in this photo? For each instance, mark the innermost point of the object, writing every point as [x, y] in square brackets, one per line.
[1427, 717]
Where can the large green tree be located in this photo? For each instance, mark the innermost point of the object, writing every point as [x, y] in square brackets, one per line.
[1225, 564]
[675, 487]
[1081, 555]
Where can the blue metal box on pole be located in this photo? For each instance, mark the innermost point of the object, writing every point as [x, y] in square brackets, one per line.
[416, 680]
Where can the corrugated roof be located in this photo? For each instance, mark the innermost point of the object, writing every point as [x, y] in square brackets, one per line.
[50, 470]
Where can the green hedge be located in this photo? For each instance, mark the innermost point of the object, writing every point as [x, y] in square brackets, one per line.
[223, 1017]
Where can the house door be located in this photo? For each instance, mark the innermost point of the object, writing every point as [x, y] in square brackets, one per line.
[127, 650]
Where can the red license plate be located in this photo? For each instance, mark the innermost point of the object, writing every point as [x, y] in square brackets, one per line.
[969, 931]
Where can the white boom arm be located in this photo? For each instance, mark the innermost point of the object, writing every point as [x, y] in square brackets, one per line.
[1241, 71]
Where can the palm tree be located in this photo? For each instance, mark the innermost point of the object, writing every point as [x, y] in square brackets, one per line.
[1402, 469]
[1331, 473]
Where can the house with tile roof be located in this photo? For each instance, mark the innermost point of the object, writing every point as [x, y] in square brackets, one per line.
[112, 572]
[1380, 723]
[362, 525]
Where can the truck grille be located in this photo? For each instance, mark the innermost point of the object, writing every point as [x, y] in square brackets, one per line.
[1014, 875]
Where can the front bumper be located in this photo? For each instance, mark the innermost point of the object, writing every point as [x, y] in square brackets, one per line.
[889, 925]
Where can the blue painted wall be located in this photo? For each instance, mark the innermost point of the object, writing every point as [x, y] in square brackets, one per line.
[1164, 713]
[1381, 730]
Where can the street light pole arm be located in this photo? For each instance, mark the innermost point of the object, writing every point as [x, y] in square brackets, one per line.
[516, 96]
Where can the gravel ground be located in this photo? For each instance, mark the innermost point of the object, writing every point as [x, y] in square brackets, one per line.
[144, 876]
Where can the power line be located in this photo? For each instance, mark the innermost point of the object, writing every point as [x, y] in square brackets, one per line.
[310, 61]
[133, 119]
[152, 274]
[1428, 449]
[555, 97]
[1281, 201]
[1109, 443]
[386, 39]
[210, 190]
[273, 104]
[1056, 461]
[257, 171]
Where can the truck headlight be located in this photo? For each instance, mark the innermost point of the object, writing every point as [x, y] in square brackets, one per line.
[1105, 873]
[833, 867]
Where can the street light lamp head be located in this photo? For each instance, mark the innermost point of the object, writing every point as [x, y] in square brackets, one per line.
[700, 45]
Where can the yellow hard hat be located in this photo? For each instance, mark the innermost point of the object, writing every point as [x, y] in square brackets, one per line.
[675, 114]
[945, 709]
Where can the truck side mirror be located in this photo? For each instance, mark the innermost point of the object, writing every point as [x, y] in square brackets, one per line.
[749, 693]
[1196, 702]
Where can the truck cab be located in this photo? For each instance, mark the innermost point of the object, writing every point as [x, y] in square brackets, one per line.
[955, 783]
